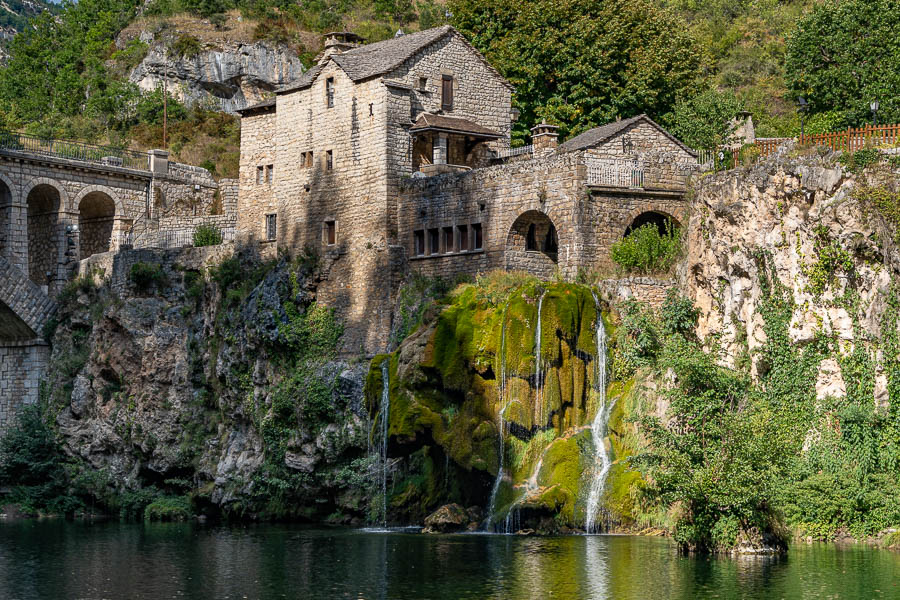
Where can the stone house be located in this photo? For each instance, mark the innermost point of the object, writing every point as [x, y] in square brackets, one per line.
[395, 156]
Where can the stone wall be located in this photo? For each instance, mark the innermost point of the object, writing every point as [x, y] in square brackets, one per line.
[21, 369]
[644, 289]
[256, 199]
[185, 190]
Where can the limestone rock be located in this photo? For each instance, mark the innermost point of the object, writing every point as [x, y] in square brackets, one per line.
[447, 519]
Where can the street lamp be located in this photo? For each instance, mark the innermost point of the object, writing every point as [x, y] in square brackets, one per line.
[874, 106]
[804, 106]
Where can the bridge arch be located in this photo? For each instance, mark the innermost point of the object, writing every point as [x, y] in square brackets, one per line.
[44, 199]
[660, 218]
[532, 244]
[98, 207]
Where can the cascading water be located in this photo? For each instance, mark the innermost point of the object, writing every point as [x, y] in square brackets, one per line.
[599, 430]
[538, 384]
[501, 421]
[385, 422]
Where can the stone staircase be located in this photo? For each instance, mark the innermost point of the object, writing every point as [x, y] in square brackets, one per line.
[24, 307]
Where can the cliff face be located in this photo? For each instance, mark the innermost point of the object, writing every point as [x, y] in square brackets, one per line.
[227, 78]
[807, 223]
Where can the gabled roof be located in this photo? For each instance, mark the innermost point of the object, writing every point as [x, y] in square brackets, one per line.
[432, 122]
[264, 106]
[381, 58]
[604, 133]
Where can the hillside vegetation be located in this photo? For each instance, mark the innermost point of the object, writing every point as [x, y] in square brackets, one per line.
[578, 63]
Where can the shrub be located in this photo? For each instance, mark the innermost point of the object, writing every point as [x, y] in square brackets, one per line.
[647, 250]
[207, 235]
[146, 276]
[168, 508]
[186, 46]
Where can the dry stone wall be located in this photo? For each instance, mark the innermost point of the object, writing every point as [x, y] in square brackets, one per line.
[21, 369]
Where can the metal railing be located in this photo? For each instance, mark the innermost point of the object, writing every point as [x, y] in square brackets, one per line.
[510, 152]
[623, 174]
[102, 155]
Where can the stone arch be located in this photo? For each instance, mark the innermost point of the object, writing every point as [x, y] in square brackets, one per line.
[43, 201]
[660, 218]
[6, 216]
[96, 216]
[532, 244]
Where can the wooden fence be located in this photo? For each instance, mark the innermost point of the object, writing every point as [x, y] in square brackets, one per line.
[849, 139]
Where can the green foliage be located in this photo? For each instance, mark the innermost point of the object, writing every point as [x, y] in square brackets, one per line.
[207, 235]
[705, 120]
[150, 108]
[416, 295]
[582, 63]
[830, 259]
[400, 11]
[884, 202]
[147, 276]
[185, 46]
[647, 250]
[32, 465]
[313, 333]
[840, 58]
[168, 508]
[678, 315]
[859, 160]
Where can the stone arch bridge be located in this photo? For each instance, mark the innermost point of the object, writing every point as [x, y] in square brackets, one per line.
[61, 202]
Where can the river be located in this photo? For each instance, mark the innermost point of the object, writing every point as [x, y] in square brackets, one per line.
[58, 560]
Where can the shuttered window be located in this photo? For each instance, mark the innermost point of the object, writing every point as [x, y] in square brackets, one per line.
[447, 92]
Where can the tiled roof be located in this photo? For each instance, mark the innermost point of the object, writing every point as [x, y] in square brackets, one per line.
[380, 58]
[601, 134]
[259, 106]
[431, 122]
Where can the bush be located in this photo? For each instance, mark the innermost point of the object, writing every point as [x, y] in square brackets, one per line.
[647, 250]
[168, 508]
[207, 235]
[146, 276]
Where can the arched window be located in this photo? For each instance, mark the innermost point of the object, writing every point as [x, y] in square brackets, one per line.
[531, 238]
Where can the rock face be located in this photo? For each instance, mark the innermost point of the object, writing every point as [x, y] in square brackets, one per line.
[447, 519]
[232, 77]
[800, 221]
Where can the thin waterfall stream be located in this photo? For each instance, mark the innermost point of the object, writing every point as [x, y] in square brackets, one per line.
[599, 431]
[501, 422]
[385, 423]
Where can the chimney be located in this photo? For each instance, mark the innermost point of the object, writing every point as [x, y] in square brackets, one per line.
[544, 137]
[337, 42]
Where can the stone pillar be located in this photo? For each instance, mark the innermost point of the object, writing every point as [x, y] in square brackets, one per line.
[159, 162]
[439, 150]
[544, 137]
[17, 237]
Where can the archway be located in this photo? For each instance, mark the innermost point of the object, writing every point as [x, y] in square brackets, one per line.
[532, 244]
[43, 233]
[5, 219]
[96, 215]
[662, 221]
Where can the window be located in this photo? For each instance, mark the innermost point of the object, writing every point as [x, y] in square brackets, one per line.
[478, 241]
[270, 173]
[271, 227]
[423, 84]
[447, 92]
[463, 237]
[306, 160]
[448, 239]
[329, 92]
[260, 175]
[434, 241]
[550, 243]
[419, 241]
[530, 239]
[329, 160]
[330, 232]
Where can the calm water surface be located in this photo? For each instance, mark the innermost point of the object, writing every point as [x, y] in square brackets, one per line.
[56, 560]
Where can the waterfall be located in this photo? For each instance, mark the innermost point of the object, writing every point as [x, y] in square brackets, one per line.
[385, 423]
[599, 428]
[501, 420]
[538, 384]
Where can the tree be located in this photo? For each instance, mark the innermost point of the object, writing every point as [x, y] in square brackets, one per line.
[706, 120]
[843, 55]
[582, 63]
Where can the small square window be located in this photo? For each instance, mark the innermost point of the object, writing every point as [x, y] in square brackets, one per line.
[270, 173]
[423, 83]
[419, 242]
[477, 240]
[434, 241]
[448, 239]
[329, 92]
[330, 232]
[260, 175]
[271, 227]
[329, 160]
[463, 237]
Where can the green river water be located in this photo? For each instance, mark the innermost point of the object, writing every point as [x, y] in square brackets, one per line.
[58, 559]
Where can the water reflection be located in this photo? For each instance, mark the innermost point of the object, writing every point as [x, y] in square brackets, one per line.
[71, 560]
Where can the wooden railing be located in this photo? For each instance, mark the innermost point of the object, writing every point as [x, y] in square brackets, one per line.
[621, 174]
[849, 140]
[102, 155]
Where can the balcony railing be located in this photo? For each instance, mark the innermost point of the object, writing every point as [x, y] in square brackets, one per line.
[510, 152]
[621, 174]
[101, 155]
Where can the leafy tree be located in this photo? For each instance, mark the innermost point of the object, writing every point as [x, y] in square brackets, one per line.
[400, 11]
[706, 120]
[582, 63]
[843, 55]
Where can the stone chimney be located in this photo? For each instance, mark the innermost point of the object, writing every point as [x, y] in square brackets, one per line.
[544, 137]
[337, 42]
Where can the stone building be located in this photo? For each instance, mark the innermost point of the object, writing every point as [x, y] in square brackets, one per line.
[395, 156]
